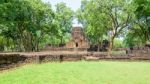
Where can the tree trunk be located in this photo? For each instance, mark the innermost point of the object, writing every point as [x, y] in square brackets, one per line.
[99, 45]
[61, 40]
[110, 47]
[37, 46]
[98, 48]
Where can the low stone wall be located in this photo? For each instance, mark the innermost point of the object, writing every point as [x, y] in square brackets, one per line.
[72, 57]
[63, 49]
[13, 59]
[10, 60]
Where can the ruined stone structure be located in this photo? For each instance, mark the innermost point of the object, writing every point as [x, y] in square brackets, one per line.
[78, 39]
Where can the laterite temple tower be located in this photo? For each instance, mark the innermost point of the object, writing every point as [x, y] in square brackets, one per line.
[78, 39]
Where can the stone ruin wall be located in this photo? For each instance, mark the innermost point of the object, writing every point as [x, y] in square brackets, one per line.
[78, 39]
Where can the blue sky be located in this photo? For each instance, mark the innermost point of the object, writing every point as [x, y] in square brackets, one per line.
[73, 4]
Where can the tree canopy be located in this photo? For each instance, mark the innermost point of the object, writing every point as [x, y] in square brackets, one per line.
[28, 25]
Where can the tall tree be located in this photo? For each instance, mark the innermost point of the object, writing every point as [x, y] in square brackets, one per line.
[93, 21]
[139, 33]
[114, 15]
[142, 22]
[25, 21]
[63, 20]
[119, 13]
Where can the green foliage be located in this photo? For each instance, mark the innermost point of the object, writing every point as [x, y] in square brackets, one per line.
[139, 33]
[25, 22]
[28, 25]
[118, 43]
[93, 21]
[142, 24]
[105, 17]
[63, 20]
[29, 22]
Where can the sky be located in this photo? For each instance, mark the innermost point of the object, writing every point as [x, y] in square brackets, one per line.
[73, 4]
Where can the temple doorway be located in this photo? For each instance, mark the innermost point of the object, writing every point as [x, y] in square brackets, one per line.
[76, 45]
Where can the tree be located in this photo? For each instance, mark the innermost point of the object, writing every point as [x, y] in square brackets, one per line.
[142, 21]
[114, 15]
[139, 33]
[63, 20]
[93, 21]
[119, 13]
[132, 39]
[25, 22]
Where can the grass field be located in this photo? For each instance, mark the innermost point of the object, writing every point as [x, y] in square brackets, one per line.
[103, 72]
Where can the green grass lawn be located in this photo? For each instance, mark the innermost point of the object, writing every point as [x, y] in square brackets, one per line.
[102, 72]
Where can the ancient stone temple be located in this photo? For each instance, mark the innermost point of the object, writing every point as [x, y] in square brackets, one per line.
[78, 39]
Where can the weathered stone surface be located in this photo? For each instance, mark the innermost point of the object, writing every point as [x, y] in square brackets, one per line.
[91, 58]
[72, 57]
[8, 60]
[78, 40]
